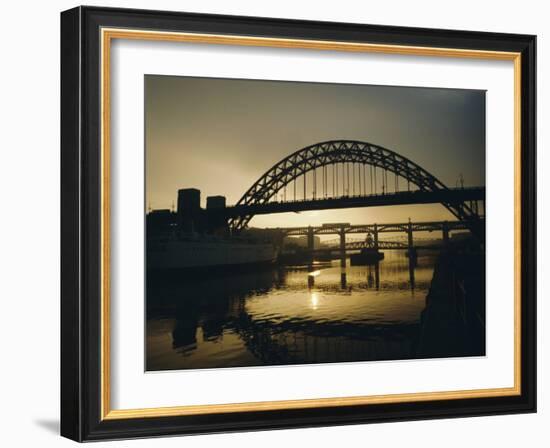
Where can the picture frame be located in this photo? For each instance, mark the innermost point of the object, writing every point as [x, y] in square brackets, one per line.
[86, 37]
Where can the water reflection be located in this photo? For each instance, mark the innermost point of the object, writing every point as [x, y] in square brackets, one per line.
[291, 315]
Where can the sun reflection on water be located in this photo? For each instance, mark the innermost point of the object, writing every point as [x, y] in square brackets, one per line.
[314, 300]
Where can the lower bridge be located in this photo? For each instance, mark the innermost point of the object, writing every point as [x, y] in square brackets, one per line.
[399, 227]
[382, 245]
[373, 232]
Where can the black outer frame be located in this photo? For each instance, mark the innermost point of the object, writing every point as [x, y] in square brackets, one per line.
[80, 223]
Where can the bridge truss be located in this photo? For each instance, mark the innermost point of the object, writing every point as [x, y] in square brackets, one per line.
[346, 168]
[401, 227]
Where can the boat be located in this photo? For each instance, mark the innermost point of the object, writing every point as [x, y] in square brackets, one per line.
[204, 252]
[367, 256]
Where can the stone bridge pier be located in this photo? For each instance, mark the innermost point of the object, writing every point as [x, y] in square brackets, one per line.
[342, 234]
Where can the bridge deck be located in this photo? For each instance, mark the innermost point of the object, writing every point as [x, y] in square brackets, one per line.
[382, 245]
[335, 229]
[451, 195]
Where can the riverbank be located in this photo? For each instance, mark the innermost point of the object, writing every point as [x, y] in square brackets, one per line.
[453, 322]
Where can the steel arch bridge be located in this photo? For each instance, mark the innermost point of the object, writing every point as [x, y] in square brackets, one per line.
[347, 152]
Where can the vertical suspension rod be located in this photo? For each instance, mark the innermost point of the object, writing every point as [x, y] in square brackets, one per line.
[353, 172]
[347, 173]
[314, 183]
[360, 183]
[335, 167]
[332, 168]
[371, 179]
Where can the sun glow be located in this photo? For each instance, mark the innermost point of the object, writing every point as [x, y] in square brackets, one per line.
[314, 300]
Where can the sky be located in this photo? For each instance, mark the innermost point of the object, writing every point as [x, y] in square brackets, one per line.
[221, 135]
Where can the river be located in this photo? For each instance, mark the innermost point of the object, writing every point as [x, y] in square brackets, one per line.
[288, 315]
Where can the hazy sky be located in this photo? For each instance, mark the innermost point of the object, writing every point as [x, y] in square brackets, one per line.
[221, 135]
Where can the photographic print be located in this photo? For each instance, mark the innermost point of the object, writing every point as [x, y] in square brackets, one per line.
[298, 223]
[254, 201]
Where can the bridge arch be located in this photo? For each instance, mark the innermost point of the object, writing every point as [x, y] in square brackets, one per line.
[334, 152]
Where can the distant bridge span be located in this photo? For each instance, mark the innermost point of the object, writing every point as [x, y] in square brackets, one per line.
[358, 245]
[399, 227]
[374, 230]
[339, 169]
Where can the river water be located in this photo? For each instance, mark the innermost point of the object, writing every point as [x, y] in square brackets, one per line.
[288, 315]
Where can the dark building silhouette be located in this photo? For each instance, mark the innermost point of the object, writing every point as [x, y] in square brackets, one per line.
[189, 210]
[159, 221]
[215, 222]
[215, 202]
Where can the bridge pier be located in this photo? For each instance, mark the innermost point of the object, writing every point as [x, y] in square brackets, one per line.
[411, 274]
[280, 239]
[310, 278]
[342, 247]
[343, 280]
[410, 248]
[445, 231]
[411, 253]
[310, 240]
